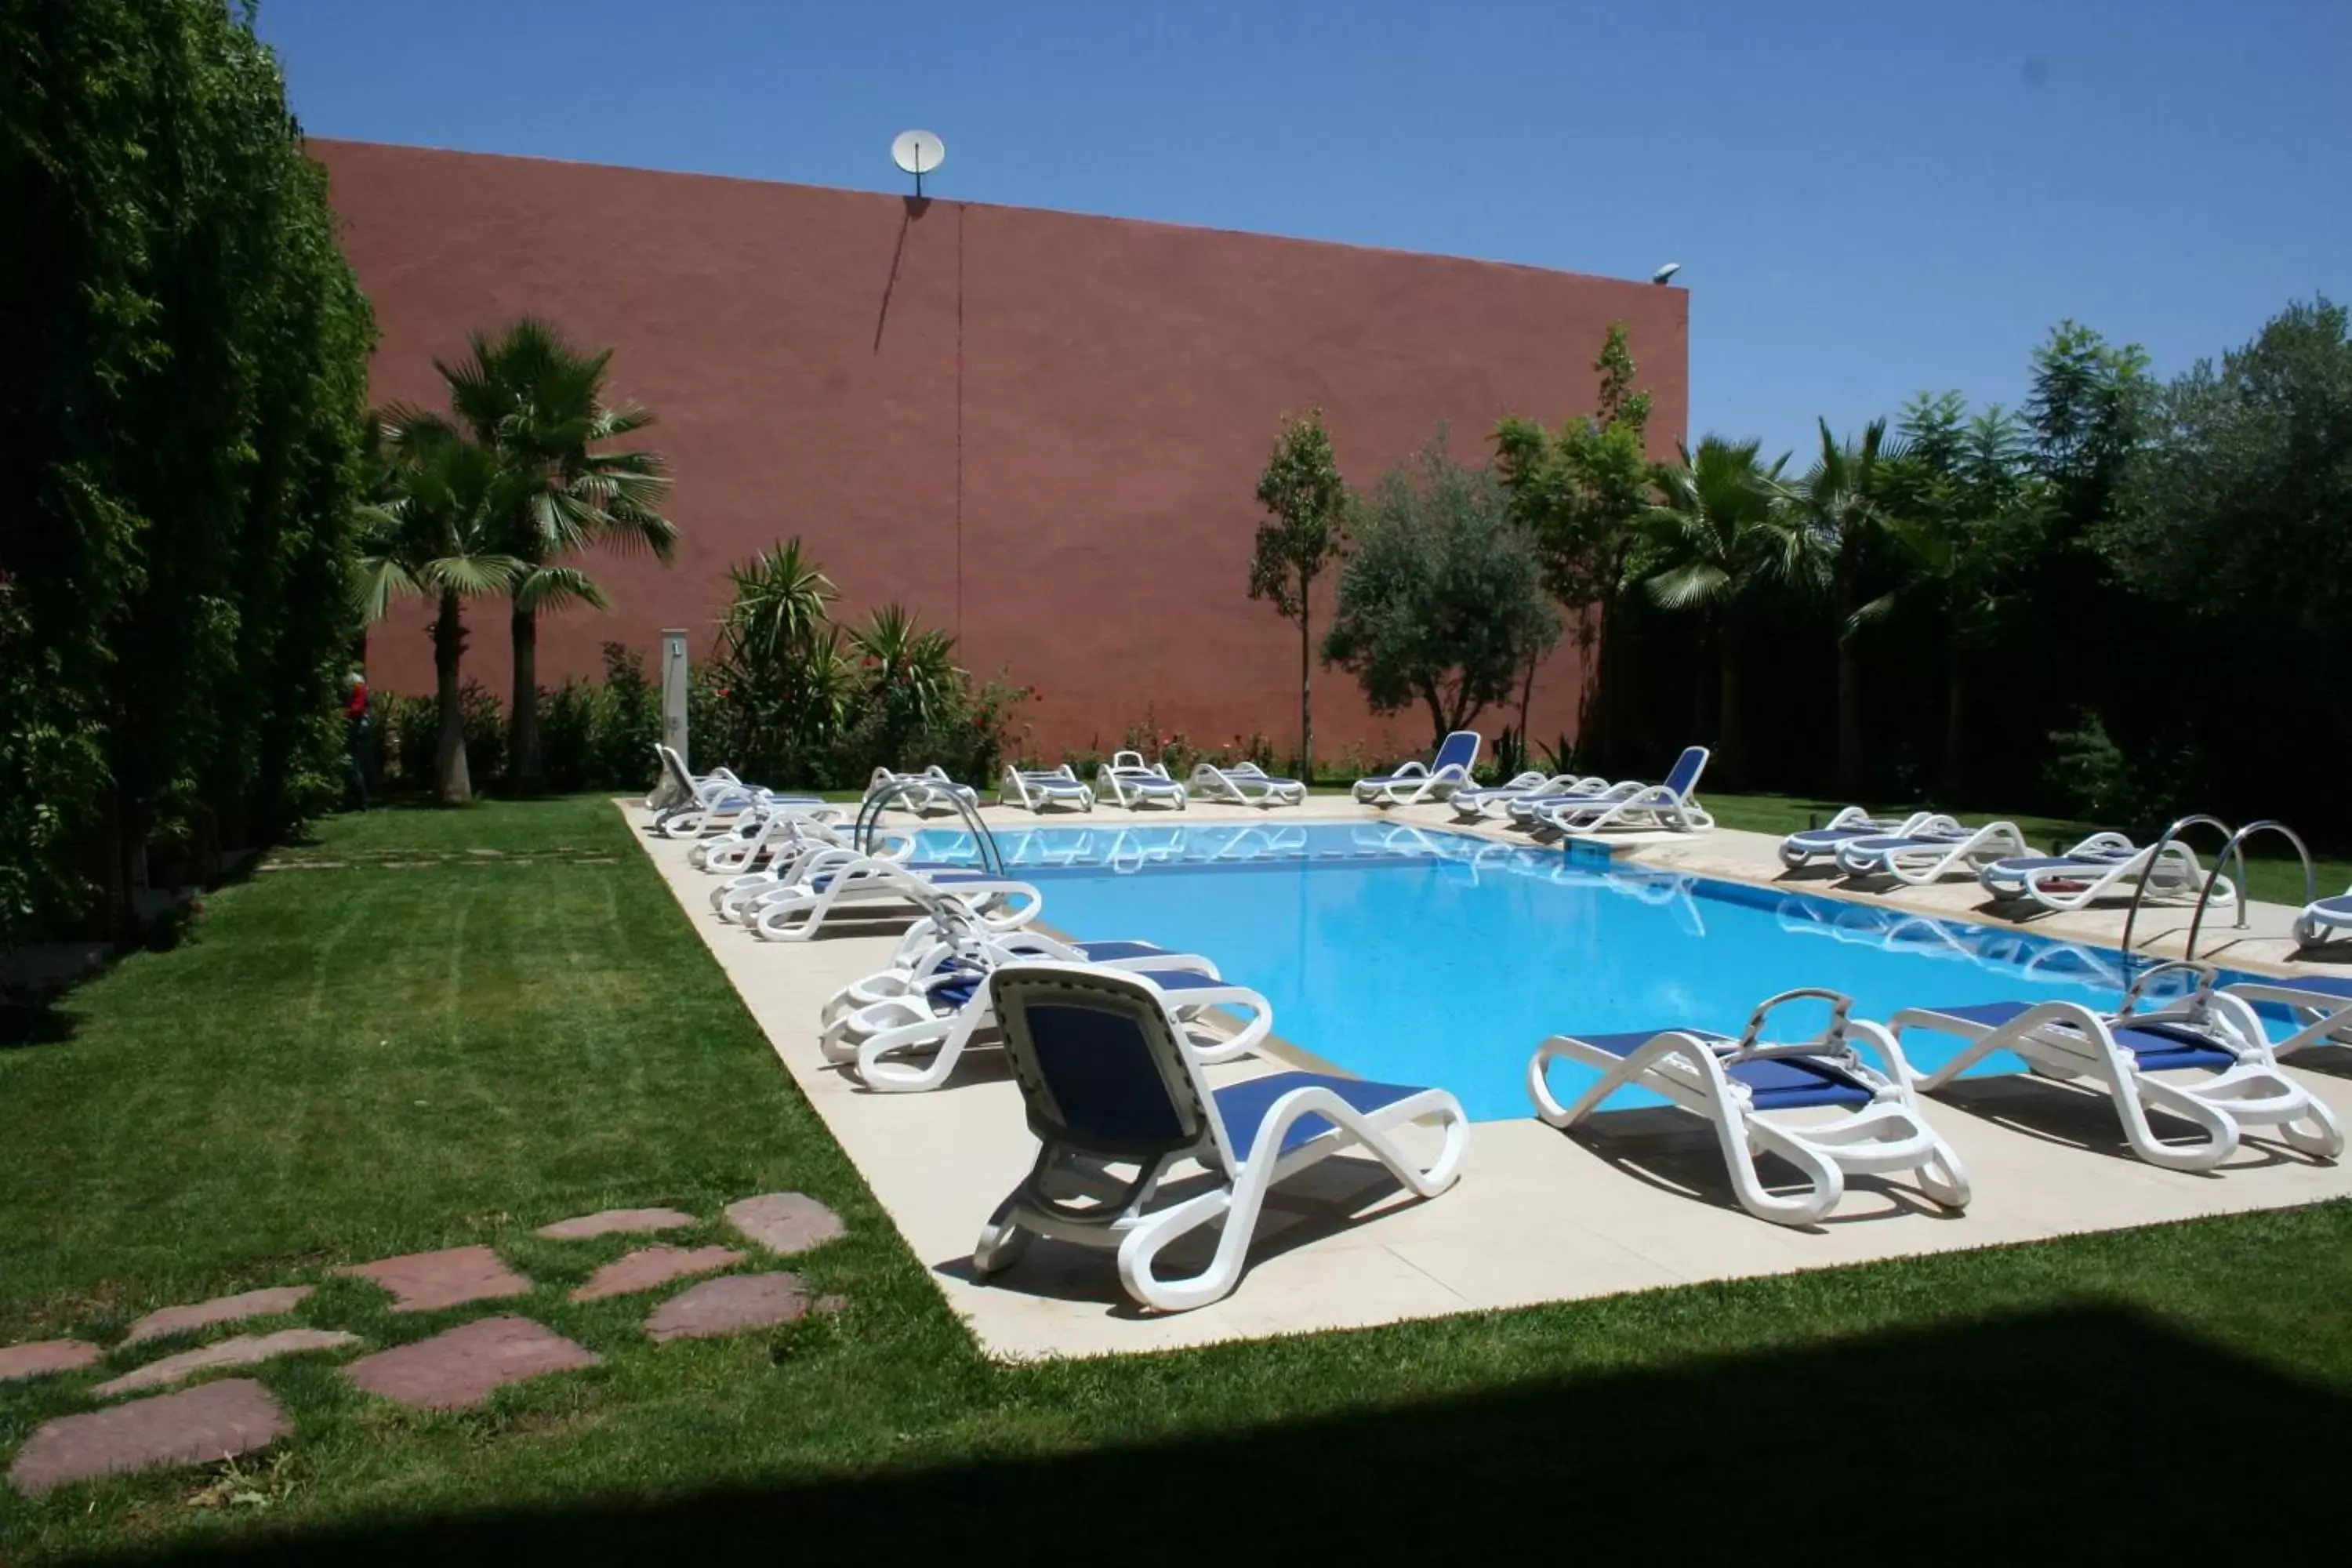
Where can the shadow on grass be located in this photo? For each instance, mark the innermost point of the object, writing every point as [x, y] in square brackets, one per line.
[2076, 1433]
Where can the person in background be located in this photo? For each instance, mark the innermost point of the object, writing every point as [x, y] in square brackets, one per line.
[358, 730]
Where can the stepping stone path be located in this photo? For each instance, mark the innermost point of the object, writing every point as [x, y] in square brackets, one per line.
[460, 1367]
[785, 1223]
[43, 1356]
[235, 1415]
[243, 1350]
[734, 1305]
[651, 1266]
[219, 1310]
[582, 1226]
[424, 1281]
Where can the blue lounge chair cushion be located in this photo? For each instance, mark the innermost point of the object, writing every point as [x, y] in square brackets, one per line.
[1106, 952]
[1773, 1083]
[2155, 1046]
[1099, 1071]
[968, 978]
[1243, 1106]
[1828, 835]
[2339, 906]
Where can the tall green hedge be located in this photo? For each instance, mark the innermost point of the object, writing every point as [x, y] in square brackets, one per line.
[181, 394]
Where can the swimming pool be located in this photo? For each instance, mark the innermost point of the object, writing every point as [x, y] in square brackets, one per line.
[1423, 956]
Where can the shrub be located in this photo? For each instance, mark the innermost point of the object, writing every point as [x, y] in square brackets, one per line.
[627, 722]
[567, 735]
[2089, 774]
[486, 735]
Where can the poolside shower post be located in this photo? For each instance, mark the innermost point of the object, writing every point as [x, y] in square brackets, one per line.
[673, 689]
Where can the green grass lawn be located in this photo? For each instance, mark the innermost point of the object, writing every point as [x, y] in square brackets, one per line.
[410, 1043]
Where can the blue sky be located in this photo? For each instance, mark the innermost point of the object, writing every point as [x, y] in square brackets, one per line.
[1866, 199]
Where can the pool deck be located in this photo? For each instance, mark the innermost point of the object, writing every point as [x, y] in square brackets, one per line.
[1539, 1216]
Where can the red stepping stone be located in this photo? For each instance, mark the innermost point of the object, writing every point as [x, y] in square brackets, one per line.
[651, 1266]
[199, 1426]
[219, 1310]
[785, 1223]
[734, 1305]
[423, 1281]
[604, 1223]
[42, 1356]
[245, 1349]
[460, 1367]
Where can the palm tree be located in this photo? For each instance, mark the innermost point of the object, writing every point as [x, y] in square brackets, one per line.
[1842, 500]
[432, 531]
[537, 402]
[1723, 531]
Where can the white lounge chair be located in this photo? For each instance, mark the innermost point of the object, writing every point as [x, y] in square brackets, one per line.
[1925, 857]
[938, 1020]
[950, 939]
[1246, 784]
[2099, 867]
[719, 802]
[794, 863]
[1808, 844]
[1673, 804]
[1489, 802]
[922, 792]
[1036, 789]
[674, 785]
[1108, 1082]
[869, 886]
[1435, 780]
[1745, 1087]
[2120, 1054]
[2320, 1007]
[2323, 919]
[1130, 781]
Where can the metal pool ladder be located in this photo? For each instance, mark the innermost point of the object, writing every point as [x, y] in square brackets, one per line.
[870, 809]
[2234, 846]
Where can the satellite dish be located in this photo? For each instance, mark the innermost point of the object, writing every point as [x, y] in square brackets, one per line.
[1668, 271]
[918, 153]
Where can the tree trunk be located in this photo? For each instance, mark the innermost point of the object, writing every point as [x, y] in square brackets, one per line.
[1526, 698]
[451, 786]
[1730, 746]
[1306, 702]
[1955, 752]
[1849, 696]
[525, 771]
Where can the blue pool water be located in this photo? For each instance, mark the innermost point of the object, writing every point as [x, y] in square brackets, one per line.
[1428, 957]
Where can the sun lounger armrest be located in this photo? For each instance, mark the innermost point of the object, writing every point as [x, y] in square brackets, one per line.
[1841, 1014]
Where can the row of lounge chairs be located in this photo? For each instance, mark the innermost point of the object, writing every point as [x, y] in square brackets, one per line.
[1844, 1100]
[1926, 847]
[1127, 780]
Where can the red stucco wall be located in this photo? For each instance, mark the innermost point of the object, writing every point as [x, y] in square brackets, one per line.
[1039, 430]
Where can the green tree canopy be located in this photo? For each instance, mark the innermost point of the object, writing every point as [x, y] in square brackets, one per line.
[1304, 533]
[1580, 492]
[1441, 600]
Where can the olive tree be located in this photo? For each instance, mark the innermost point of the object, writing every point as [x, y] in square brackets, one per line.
[1441, 600]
